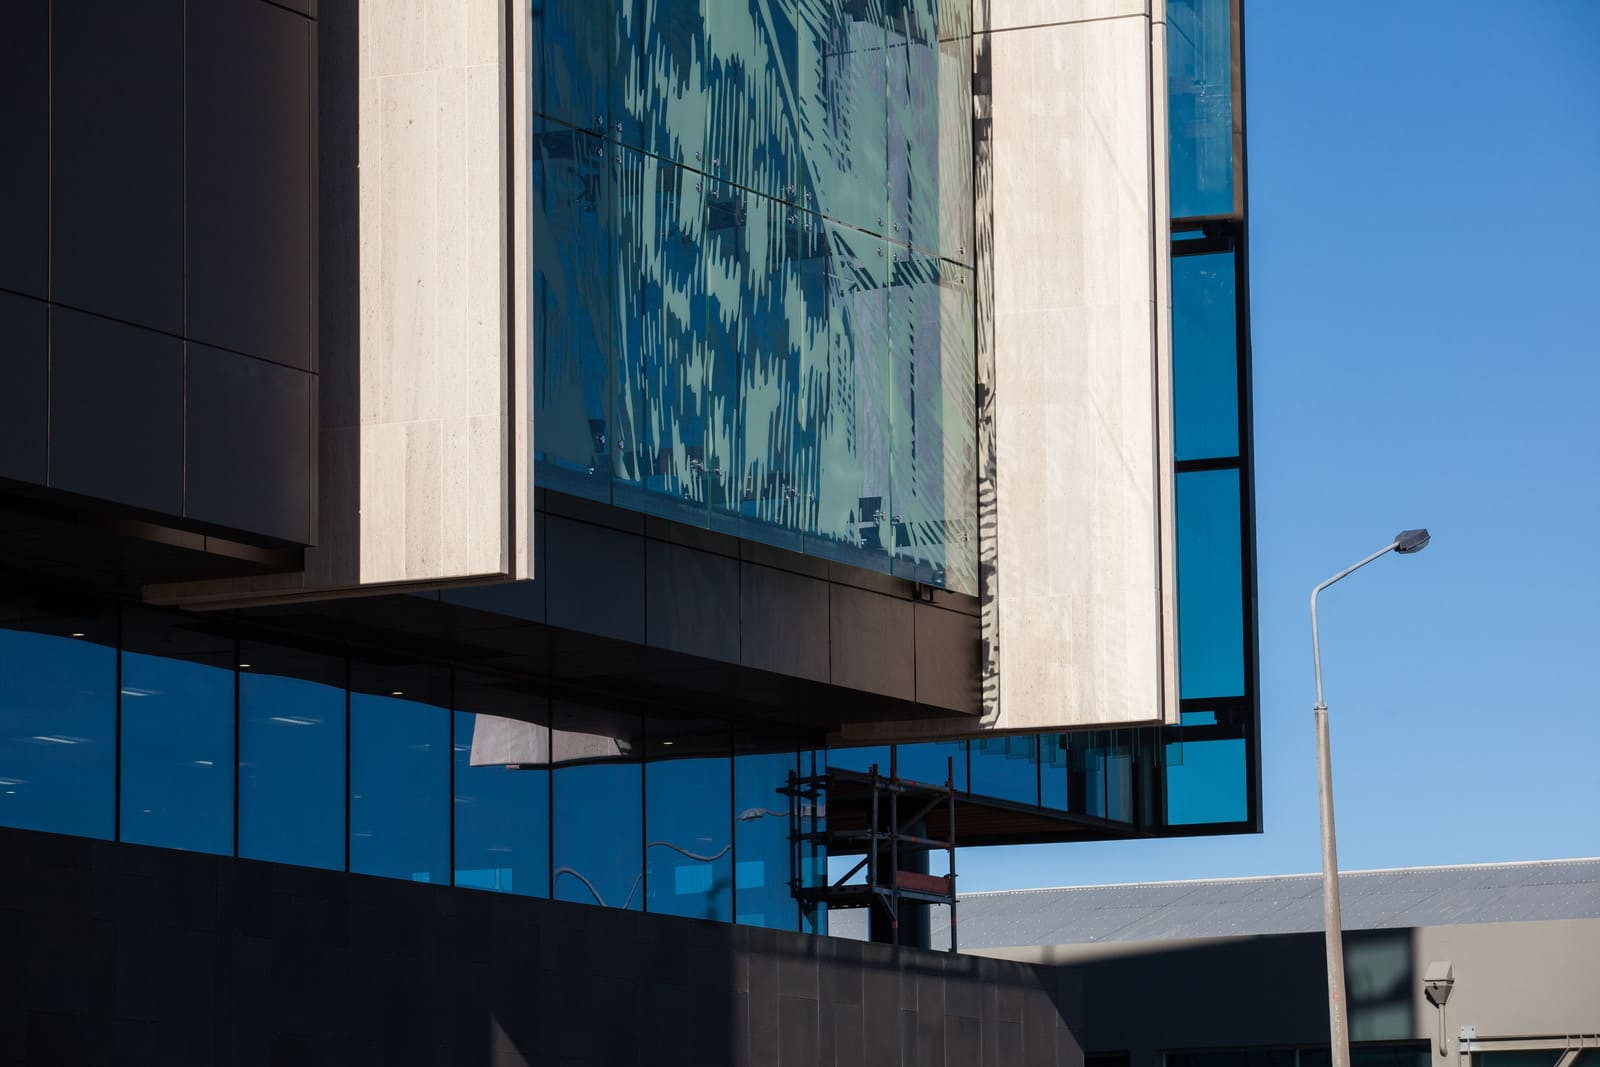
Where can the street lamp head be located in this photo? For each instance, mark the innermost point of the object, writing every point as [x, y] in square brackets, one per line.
[1409, 541]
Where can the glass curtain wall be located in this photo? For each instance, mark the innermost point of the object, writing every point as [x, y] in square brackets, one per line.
[1209, 761]
[753, 271]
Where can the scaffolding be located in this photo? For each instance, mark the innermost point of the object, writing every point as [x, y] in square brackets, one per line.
[844, 813]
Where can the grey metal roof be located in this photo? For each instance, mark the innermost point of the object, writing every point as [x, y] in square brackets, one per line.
[1405, 897]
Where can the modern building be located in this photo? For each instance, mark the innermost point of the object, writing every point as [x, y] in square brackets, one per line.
[1485, 965]
[572, 454]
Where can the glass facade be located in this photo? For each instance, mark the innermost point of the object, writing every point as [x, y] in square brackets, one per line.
[753, 293]
[1200, 96]
[58, 725]
[291, 757]
[753, 271]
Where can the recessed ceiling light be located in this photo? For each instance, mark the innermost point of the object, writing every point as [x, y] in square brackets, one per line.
[244, 666]
[665, 743]
[76, 635]
[398, 693]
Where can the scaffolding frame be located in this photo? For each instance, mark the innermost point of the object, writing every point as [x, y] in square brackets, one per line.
[886, 828]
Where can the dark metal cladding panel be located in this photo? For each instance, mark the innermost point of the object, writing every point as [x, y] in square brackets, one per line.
[24, 363]
[116, 412]
[247, 448]
[116, 182]
[248, 172]
[25, 131]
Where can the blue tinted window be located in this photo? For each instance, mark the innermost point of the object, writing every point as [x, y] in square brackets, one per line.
[597, 792]
[1106, 758]
[502, 804]
[291, 760]
[860, 759]
[1206, 780]
[1205, 357]
[571, 306]
[399, 788]
[58, 722]
[1006, 768]
[569, 44]
[1055, 771]
[931, 761]
[689, 827]
[1200, 106]
[1210, 579]
[761, 841]
[177, 753]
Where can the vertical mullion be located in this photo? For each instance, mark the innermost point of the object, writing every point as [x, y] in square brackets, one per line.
[116, 799]
[237, 683]
[347, 736]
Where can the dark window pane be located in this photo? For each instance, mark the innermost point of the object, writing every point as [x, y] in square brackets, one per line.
[1006, 768]
[291, 758]
[58, 722]
[1200, 106]
[502, 804]
[761, 840]
[399, 788]
[177, 753]
[598, 808]
[1210, 585]
[570, 47]
[688, 822]
[571, 301]
[1205, 357]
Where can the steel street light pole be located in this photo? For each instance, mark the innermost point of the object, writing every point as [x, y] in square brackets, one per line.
[1405, 543]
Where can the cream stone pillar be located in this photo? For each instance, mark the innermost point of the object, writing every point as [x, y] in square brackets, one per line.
[425, 430]
[1075, 369]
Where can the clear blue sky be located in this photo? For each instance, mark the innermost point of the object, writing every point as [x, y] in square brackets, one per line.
[1425, 201]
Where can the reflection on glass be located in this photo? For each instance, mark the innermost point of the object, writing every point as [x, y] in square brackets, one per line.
[1206, 781]
[712, 284]
[571, 304]
[1006, 768]
[570, 50]
[1210, 577]
[859, 759]
[933, 762]
[399, 788]
[598, 804]
[291, 766]
[502, 804]
[761, 841]
[1200, 106]
[1055, 771]
[1103, 760]
[177, 753]
[58, 724]
[1205, 357]
[688, 828]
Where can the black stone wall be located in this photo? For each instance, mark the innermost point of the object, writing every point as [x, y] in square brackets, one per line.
[113, 954]
[157, 259]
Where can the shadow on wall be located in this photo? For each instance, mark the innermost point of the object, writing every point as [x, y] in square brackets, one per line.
[1260, 991]
[337, 559]
[193, 958]
[983, 237]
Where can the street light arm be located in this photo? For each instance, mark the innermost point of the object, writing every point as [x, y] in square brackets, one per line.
[1316, 649]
